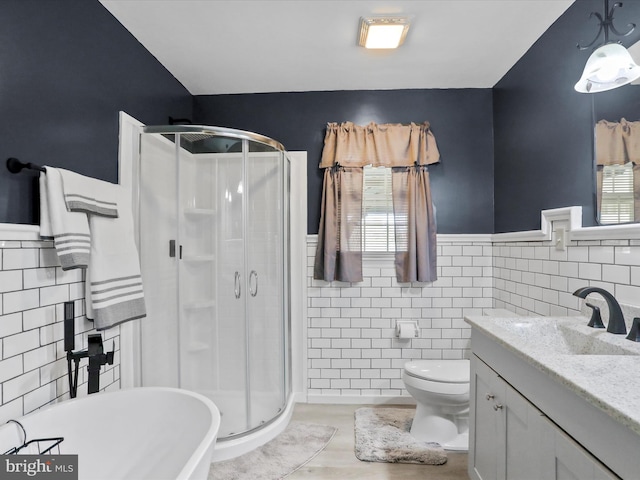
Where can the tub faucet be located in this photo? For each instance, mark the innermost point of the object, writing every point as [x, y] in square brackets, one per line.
[94, 352]
[616, 322]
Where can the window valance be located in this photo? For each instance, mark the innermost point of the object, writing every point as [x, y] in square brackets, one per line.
[617, 143]
[382, 145]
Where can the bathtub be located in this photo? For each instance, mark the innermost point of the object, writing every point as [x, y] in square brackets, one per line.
[140, 433]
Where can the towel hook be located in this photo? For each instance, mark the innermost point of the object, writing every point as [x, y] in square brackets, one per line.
[16, 166]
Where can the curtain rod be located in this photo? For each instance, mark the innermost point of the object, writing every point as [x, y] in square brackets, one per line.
[16, 166]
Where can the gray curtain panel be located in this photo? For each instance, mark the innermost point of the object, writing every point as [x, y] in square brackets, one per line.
[414, 224]
[347, 149]
[339, 252]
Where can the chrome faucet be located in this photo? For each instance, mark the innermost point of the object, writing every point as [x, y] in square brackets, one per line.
[616, 322]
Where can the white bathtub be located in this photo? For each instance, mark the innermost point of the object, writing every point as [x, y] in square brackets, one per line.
[140, 433]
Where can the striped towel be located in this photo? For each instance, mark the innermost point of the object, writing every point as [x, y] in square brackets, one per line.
[114, 282]
[69, 230]
[88, 195]
[91, 223]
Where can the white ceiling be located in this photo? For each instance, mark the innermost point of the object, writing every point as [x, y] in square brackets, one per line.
[253, 46]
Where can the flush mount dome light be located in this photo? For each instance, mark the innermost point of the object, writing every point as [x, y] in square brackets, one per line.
[609, 67]
[383, 32]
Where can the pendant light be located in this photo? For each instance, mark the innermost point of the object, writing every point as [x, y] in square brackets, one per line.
[610, 65]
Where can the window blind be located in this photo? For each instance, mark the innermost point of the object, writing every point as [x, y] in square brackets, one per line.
[377, 210]
[617, 194]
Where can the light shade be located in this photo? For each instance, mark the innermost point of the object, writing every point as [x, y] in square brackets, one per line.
[609, 67]
[383, 32]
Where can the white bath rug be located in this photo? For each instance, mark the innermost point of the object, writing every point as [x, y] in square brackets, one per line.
[293, 448]
[382, 435]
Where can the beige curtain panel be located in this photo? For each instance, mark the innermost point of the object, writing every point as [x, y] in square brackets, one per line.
[347, 149]
[618, 143]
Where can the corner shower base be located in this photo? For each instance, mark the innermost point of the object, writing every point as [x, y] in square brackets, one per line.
[232, 448]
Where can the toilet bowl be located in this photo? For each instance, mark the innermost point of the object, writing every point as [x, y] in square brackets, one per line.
[441, 391]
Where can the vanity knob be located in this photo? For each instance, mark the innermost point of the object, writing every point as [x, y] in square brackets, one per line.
[497, 407]
[490, 397]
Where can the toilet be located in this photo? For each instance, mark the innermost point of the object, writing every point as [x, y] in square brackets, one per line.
[441, 391]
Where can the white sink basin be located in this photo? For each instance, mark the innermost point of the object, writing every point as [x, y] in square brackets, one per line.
[566, 336]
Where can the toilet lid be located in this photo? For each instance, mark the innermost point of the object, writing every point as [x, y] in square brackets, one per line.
[446, 371]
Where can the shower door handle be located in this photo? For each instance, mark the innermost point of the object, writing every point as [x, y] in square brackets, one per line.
[253, 275]
[236, 287]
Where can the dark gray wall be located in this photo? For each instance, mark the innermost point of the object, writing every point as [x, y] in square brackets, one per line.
[66, 68]
[461, 120]
[544, 129]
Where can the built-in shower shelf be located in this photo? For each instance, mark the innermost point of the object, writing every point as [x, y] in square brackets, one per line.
[194, 347]
[200, 305]
[198, 258]
[199, 212]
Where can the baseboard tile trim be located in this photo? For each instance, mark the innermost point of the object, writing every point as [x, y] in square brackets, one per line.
[360, 400]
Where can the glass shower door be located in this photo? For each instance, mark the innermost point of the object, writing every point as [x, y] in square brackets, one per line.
[158, 217]
[230, 278]
[265, 267]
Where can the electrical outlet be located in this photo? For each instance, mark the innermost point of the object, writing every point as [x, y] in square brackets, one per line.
[560, 239]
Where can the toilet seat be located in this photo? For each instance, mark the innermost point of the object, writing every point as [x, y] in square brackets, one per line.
[442, 388]
[445, 371]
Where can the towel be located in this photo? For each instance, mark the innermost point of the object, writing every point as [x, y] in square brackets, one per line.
[113, 281]
[91, 222]
[88, 195]
[69, 230]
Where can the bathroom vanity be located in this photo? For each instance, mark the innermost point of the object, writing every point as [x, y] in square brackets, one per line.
[552, 398]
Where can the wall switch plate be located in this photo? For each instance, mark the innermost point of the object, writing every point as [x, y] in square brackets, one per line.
[560, 239]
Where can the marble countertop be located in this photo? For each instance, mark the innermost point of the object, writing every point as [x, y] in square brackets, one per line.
[601, 367]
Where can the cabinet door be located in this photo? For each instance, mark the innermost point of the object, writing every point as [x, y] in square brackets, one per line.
[523, 427]
[505, 431]
[486, 441]
[564, 459]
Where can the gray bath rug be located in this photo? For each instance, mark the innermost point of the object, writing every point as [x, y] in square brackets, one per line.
[293, 448]
[382, 435]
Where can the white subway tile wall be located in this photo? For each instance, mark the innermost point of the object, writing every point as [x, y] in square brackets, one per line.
[542, 283]
[33, 366]
[352, 349]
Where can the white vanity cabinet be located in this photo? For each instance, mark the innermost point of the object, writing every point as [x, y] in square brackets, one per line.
[511, 439]
[566, 459]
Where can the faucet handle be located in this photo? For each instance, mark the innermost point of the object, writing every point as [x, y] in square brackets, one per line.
[596, 318]
[634, 333]
[94, 345]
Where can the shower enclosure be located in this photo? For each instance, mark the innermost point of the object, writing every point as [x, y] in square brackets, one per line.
[214, 232]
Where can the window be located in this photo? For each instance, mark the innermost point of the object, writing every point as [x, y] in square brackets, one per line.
[377, 211]
[617, 194]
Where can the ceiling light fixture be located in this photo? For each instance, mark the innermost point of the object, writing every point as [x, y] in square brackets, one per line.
[383, 32]
[610, 65]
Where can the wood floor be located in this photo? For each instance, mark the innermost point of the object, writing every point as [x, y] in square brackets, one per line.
[338, 461]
